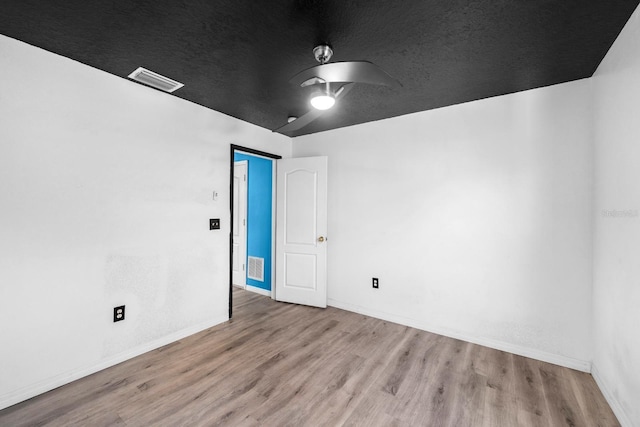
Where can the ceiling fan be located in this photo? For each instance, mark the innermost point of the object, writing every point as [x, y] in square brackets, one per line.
[343, 75]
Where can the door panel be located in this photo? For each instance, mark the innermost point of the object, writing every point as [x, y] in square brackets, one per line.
[301, 187]
[301, 246]
[300, 271]
[239, 255]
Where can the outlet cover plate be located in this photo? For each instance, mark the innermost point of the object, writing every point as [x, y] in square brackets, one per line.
[118, 313]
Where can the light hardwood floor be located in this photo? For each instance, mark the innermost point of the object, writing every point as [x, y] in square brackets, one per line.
[280, 364]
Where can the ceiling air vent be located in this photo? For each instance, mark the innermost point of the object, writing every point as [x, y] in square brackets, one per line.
[152, 79]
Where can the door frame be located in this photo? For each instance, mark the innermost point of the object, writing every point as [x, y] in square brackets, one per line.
[233, 149]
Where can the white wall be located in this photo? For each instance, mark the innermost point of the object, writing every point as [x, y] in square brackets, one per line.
[616, 101]
[105, 195]
[476, 218]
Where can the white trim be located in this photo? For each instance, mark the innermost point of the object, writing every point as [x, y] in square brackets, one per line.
[274, 165]
[246, 153]
[556, 359]
[257, 290]
[617, 409]
[40, 387]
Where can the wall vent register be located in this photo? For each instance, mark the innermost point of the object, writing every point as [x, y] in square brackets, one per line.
[256, 268]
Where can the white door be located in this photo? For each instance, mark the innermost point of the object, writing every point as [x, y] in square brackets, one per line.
[301, 231]
[239, 277]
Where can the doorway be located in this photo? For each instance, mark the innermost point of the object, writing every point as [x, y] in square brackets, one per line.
[259, 224]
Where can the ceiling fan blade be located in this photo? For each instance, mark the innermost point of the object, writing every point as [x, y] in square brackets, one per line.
[300, 122]
[349, 71]
[311, 115]
[312, 81]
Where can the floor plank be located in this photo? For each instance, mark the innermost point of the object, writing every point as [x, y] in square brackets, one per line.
[289, 365]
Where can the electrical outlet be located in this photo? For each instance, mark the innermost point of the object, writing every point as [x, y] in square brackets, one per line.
[374, 282]
[214, 224]
[118, 313]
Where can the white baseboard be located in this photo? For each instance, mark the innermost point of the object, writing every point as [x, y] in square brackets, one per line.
[59, 380]
[569, 362]
[258, 290]
[617, 409]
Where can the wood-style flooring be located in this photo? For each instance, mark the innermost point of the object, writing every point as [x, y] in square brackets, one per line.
[279, 364]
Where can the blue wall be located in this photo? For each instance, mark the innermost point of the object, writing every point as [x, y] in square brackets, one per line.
[259, 213]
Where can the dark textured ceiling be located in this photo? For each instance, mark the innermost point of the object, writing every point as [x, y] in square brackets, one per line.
[237, 56]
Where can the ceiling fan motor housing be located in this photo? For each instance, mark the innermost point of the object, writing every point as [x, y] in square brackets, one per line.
[323, 53]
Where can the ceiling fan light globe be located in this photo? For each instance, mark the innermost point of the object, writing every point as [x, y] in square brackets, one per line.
[322, 102]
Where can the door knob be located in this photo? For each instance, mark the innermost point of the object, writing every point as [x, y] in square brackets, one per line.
[321, 239]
